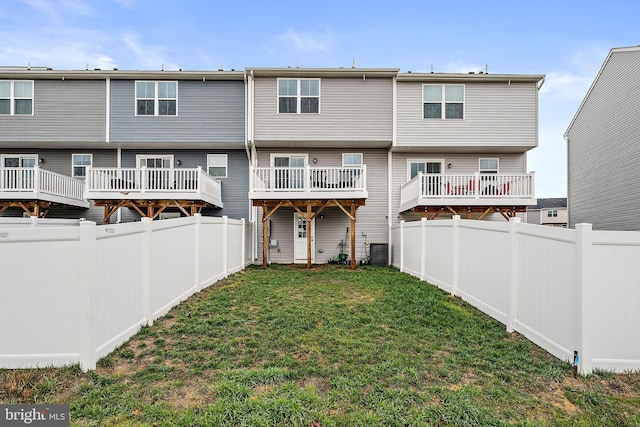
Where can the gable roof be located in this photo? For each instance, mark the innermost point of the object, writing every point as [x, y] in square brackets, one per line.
[595, 81]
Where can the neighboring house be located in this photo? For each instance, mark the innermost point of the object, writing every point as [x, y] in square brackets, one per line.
[550, 211]
[126, 143]
[325, 160]
[603, 146]
[461, 143]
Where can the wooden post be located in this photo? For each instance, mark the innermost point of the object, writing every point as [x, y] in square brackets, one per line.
[264, 236]
[353, 236]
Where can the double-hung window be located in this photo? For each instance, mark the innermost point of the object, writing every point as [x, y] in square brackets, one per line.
[488, 166]
[352, 159]
[80, 164]
[443, 101]
[217, 165]
[296, 96]
[552, 213]
[156, 98]
[16, 97]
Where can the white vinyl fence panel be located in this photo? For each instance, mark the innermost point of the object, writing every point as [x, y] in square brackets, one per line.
[73, 294]
[565, 290]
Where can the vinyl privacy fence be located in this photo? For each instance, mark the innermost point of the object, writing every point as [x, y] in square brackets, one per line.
[73, 294]
[566, 290]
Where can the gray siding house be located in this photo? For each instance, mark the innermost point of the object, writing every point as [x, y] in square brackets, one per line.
[325, 160]
[319, 141]
[125, 144]
[603, 146]
[460, 145]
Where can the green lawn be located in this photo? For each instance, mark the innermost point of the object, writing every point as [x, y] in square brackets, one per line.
[290, 346]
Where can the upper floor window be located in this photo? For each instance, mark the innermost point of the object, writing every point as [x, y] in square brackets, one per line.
[351, 159]
[299, 96]
[552, 213]
[217, 165]
[156, 98]
[443, 101]
[80, 164]
[16, 97]
[488, 165]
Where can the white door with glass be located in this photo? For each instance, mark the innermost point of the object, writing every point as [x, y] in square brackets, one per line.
[300, 239]
[158, 175]
[18, 178]
[433, 169]
[289, 171]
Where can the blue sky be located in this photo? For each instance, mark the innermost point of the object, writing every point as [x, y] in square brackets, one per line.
[565, 40]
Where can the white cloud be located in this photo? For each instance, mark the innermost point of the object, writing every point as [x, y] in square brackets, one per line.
[305, 42]
[147, 56]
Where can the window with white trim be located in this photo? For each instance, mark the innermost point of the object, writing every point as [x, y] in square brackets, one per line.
[154, 161]
[16, 97]
[217, 165]
[425, 166]
[443, 101]
[296, 96]
[351, 159]
[488, 165]
[80, 162]
[552, 213]
[156, 98]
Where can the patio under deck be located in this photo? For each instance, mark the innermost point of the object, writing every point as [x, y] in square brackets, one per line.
[151, 191]
[308, 190]
[36, 190]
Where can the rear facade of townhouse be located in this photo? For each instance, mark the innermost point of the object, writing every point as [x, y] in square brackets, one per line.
[324, 160]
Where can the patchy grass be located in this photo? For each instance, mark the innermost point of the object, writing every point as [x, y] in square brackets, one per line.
[290, 346]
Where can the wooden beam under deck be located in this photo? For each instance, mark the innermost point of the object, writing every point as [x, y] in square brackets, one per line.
[150, 208]
[433, 212]
[36, 208]
[305, 208]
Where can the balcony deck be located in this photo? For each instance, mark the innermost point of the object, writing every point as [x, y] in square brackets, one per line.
[472, 190]
[34, 186]
[308, 183]
[152, 184]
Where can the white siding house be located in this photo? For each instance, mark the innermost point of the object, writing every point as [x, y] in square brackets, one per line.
[603, 147]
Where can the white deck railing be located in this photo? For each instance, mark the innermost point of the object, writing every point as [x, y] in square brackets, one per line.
[35, 182]
[307, 179]
[152, 183]
[424, 187]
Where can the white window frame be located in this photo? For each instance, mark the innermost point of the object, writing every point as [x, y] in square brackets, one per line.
[352, 164]
[425, 161]
[73, 164]
[552, 213]
[298, 95]
[492, 171]
[156, 98]
[226, 164]
[443, 102]
[274, 155]
[155, 156]
[19, 156]
[13, 98]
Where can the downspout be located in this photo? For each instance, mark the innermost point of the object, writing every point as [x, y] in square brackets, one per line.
[394, 121]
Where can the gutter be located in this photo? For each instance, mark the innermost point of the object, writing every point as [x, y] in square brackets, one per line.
[539, 86]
